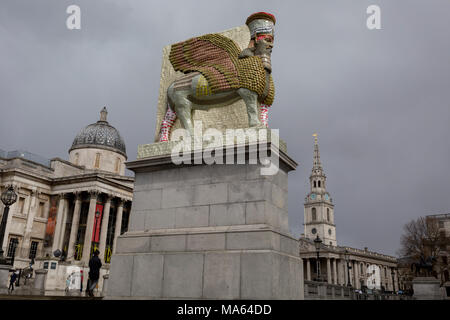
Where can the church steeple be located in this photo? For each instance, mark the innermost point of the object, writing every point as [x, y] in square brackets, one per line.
[317, 178]
[319, 209]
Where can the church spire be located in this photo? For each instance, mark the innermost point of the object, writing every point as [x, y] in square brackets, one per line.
[317, 165]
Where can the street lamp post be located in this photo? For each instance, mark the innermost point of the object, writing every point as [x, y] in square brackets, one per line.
[348, 268]
[9, 197]
[317, 243]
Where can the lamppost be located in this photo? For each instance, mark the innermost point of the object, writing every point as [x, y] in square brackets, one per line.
[347, 258]
[317, 243]
[9, 197]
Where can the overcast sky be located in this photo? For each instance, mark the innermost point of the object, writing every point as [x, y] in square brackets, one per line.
[379, 99]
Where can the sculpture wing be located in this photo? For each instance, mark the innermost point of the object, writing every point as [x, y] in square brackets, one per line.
[213, 55]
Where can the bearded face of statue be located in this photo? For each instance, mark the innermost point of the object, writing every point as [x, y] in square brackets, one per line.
[263, 48]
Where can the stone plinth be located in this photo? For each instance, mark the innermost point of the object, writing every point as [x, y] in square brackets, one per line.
[207, 232]
[40, 279]
[427, 288]
[4, 278]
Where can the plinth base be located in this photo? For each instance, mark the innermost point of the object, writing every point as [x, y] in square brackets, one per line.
[207, 232]
[427, 288]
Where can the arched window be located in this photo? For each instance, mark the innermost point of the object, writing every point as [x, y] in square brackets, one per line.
[361, 268]
[117, 164]
[314, 183]
[314, 215]
[318, 182]
[328, 214]
[77, 156]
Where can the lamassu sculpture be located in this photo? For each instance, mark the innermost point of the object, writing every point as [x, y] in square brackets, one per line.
[218, 73]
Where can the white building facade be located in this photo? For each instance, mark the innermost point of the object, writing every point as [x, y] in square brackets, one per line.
[68, 207]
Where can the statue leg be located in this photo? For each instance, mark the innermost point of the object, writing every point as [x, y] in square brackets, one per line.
[251, 101]
[167, 124]
[182, 106]
[264, 114]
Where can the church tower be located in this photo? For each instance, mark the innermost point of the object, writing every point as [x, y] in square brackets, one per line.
[319, 208]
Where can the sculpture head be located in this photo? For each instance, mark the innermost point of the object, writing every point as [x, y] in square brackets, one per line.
[261, 26]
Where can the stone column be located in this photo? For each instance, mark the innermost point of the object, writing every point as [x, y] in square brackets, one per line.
[59, 219]
[29, 226]
[75, 225]
[118, 223]
[335, 280]
[356, 273]
[329, 270]
[63, 224]
[104, 228]
[395, 286]
[308, 270]
[89, 226]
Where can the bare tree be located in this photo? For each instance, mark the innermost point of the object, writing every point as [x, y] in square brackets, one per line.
[421, 237]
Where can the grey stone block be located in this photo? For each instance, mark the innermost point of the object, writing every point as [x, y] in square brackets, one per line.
[209, 241]
[289, 246]
[289, 282]
[177, 197]
[228, 173]
[255, 212]
[147, 275]
[120, 276]
[137, 220]
[227, 214]
[160, 219]
[250, 240]
[279, 197]
[222, 276]
[147, 199]
[256, 275]
[163, 243]
[211, 193]
[133, 244]
[242, 191]
[196, 175]
[183, 275]
[192, 217]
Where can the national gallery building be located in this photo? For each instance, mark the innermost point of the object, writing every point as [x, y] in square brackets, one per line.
[66, 209]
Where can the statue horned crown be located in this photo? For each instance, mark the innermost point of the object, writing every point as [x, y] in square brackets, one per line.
[216, 73]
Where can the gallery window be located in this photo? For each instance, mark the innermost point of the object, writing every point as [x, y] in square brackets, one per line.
[328, 214]
[314, 215]
[12, 246]
[41, 209]
[33, 249]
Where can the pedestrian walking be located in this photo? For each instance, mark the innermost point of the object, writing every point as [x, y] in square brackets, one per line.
[12, 280]
[94, 273]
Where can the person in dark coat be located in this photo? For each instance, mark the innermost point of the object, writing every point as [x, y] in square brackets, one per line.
[94, 273]
[12, 280]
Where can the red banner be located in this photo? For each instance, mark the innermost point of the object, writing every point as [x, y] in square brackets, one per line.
[97, 223]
